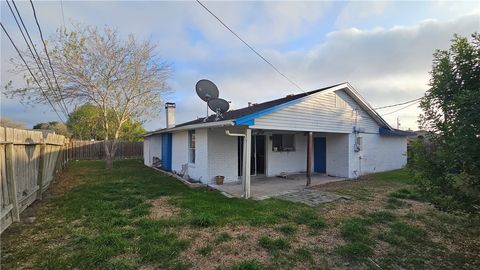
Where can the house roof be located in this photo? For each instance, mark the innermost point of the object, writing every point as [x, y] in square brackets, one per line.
[234, 114]
[256, 109]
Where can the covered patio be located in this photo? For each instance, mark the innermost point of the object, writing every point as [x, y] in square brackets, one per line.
[262, 187]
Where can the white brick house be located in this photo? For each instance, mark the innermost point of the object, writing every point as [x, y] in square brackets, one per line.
[347, 139]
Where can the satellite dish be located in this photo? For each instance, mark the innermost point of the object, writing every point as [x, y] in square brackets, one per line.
[218, 105]
[206, 90]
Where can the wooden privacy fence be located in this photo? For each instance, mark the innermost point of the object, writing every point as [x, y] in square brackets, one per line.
[29, 161]
[96, 150]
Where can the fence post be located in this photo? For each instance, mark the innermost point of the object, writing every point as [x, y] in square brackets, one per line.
[40, 176]
[11, 182]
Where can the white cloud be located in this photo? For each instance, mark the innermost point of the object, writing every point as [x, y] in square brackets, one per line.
[356, 10]
[386, 64]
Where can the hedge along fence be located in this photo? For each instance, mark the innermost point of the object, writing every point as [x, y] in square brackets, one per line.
[29, 161]
[96, 150]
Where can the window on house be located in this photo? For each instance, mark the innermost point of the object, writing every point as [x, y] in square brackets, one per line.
[191, 146]
[283, 142]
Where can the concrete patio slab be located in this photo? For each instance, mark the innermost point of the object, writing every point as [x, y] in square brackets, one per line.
[312, 197]
[267, 187]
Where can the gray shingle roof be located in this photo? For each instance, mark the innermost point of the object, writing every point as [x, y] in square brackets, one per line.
[234, 114]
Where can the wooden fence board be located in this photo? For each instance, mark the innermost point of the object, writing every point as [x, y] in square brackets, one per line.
[29, 161]
[21, 169]
[95, 150]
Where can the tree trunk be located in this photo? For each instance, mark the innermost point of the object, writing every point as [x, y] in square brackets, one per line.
[108, 155]
[109, 162]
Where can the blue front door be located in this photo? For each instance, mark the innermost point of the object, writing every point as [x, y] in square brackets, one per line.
[320, 155]
[167, 151]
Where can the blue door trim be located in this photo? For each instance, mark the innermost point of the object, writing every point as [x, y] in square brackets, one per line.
[320, 155]
[167, 151]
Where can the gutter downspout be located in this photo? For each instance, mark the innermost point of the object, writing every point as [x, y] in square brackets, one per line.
[246, 159]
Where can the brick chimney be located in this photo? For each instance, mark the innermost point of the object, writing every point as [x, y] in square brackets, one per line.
[170, 114]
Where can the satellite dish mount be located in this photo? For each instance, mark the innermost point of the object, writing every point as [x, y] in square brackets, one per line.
[207, 91]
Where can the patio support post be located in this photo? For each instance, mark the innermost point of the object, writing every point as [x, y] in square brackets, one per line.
[309, 158]
[247, 152]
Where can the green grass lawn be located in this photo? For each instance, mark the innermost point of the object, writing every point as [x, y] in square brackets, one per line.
[134, 217]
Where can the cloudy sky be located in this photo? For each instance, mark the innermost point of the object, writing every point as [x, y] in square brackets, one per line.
[384, 49]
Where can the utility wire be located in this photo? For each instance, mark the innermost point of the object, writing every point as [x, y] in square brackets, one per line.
[398, 104]
[31, 73]
[63, 14]
[402, 108]
[251, 48]
[48, 56]
[38, 62]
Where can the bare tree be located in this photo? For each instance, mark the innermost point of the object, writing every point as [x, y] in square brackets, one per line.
[123, 77]
[7, 122]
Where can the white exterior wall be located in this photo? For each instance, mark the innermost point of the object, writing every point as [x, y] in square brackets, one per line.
[179, 150]
[152, 147]
[378, 154]
[223, 155]
[146, 154]
[296, 161]
[289, 162]
[337, 154]
[198, 170]
[319, 113]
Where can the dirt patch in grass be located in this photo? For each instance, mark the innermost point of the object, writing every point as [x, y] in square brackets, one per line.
[162, 209]
[326, 239]
[205, 252]
[242, 245]
[343, 209]
[69, 179]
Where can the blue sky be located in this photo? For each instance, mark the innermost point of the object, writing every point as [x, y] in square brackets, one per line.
[384, 49]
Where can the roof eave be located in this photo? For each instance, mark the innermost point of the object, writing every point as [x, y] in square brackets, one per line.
[194, 126]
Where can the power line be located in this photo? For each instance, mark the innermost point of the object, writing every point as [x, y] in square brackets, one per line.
[38, 62]
[48, 56]
[251, 48]
[401, 108]
[31, 73]
[398, 104]
[63, 14]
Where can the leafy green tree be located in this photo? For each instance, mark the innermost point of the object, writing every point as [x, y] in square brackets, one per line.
[58, 127]
[447, 163]
[86, 123]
